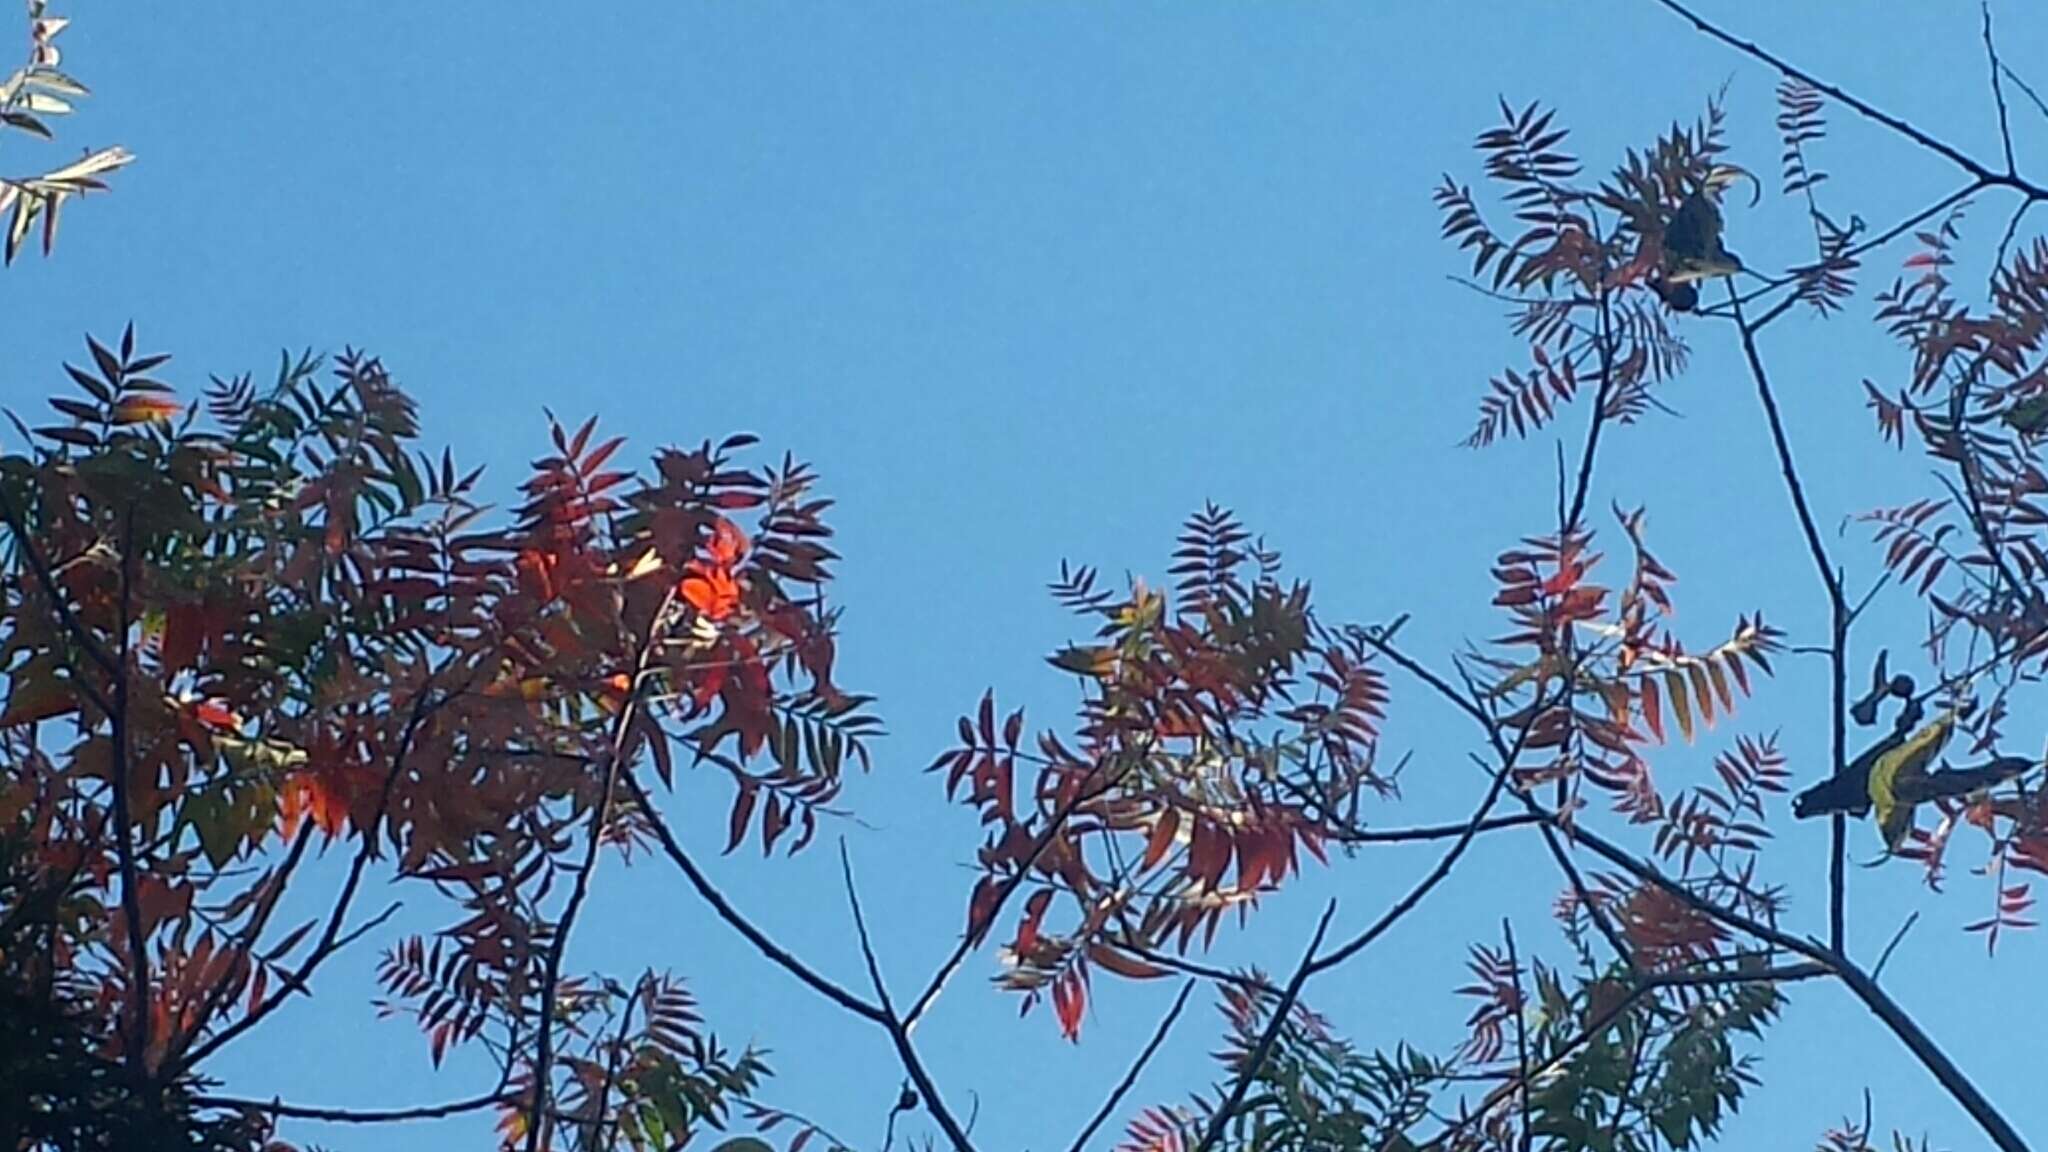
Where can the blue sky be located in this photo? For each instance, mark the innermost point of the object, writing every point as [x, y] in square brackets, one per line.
[1030, 281]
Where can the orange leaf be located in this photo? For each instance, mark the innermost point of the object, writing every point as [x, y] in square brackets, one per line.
[711, 591]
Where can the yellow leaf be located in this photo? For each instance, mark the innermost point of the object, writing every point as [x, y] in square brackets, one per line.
[144, 408]
[649, 562]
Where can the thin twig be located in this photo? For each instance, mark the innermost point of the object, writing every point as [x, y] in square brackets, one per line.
[357, 1115]
[1256, 1058]
[1838, 625]
[1345, 833]
[611, 1060]
[139, 1013]
[1998, 95]
[2012, 228]
[1861, 107]
[1628, 1085]
[2039, 105]
[1897, 937]
[1131, 1074]
[775, 953]
[1583, 893]
[899, 1035]
[1507, 930]
[245, 943]
[1604, 341]
[1436, 875]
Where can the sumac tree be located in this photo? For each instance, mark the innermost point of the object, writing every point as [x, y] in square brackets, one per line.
[246, 623]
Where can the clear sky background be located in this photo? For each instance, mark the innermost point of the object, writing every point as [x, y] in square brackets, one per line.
[1030, 281]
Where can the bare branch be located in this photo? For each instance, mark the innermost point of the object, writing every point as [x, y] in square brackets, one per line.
[358, 1115]
[1347, 834]
[1860, 107]
[899, 1033]
[1885, 956]
[768, 948]
[1998, 94]
[2039, 105]
[1436, 875]
[1131, 1074]
[1838, 624]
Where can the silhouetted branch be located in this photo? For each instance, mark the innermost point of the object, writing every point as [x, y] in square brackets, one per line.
[709, 892]
[1874, 998]
[1998, 94]
[1860, 107]
[358, 1115]
[1598, 1026]
[899, 1033]
[1838, 624]
[1507, 930]
[2035, 97]
[1345, 833]
[1131, 1074]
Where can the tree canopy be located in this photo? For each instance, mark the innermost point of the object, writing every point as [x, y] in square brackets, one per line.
[251, 622]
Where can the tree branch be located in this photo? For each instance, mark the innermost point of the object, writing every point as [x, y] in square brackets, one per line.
[1131, 1074]
[423, 706]
[710, 894]
[899, 1033]
[1952, 154]
[1435, 876]
[1838, 626]
[1507, 929]
[358, 1115]
[1998, 95]
[622, 728]
[1642, 987]
[216, 996]
[976, 933]
[1345, 833]
[1231, 1101]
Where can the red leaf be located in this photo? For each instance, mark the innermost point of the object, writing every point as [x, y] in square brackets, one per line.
[1124, 964]
[1161, 839]
[773, 821]
[742, 814]
[1069, 1001]
[1034, 912]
